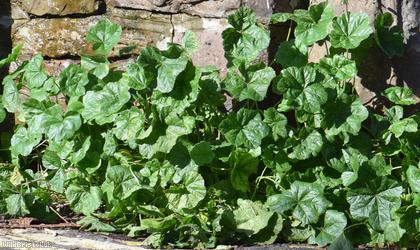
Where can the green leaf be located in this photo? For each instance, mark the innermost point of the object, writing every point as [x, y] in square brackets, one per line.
[190, 191]
[310, 144]
[157, 172]
[245, 40]
[299, 88]
[413, 177]
[243, 165]
[104, 36]
[339, 67]
[16, 205]
[12, 56]
[389, 38]
[51, 160]
[61, 128]
[399, 95]
[73, 81]
[35, 75]
[10, 97]
[128, 124]
[57, 181]
[103, 105]
[163, 138]
[349, 30]
[393, 232]
[344, 115]
[252, 84]
[251, 217]
[334, 224]
[136, 77]
[91, 223]
[280, 17]
[2, 112]
[313, 24]
[289, 54]
[375, 202]
[244, 128]
[24, 140]
[202, 153]
[305, 200]
[99, 67]
[277, 122]
[405, 125]
[341, 243]
[168, 71]
[84, 199]
[123, 180]
[182, 96]
[378, 164]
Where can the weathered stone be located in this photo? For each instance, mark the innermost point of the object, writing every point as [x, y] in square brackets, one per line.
[142, 28]
[54, 37]
[210, 43]
[59, 7]
[361, 6]
[212, 8]
[215, 8]
[263, 8]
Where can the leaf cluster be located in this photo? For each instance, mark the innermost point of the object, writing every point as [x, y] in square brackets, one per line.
[151, 150]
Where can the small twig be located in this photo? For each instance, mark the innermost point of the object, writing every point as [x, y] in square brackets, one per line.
[61, 217]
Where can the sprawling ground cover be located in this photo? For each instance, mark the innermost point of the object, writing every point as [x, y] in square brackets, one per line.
[151, 151]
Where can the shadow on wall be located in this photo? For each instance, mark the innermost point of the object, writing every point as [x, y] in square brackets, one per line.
[5, 48]
[278, 33]
[408, 67]
[5, 31]
[377, 71]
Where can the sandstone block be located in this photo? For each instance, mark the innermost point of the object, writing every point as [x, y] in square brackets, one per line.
[214, 8]
[59, 7]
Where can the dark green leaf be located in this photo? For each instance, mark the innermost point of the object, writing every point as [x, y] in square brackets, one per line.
[349, 30]
[243, 165]
[245, 40]
[389, 38]
[299, 88]
[334, 224]
[310, 144]
[202, 153]
[276, 121]
[305, 200]
[289, 54]
[339, 67]
[244, 128]
[313, 24]
[375, 202]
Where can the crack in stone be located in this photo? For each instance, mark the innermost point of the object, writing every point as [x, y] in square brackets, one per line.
[173, 28]
[167, 12]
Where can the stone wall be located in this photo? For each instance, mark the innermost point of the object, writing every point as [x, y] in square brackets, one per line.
[57, 28]
[378, 71]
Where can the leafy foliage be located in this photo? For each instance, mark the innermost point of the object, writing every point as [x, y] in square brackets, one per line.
[151, 151]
